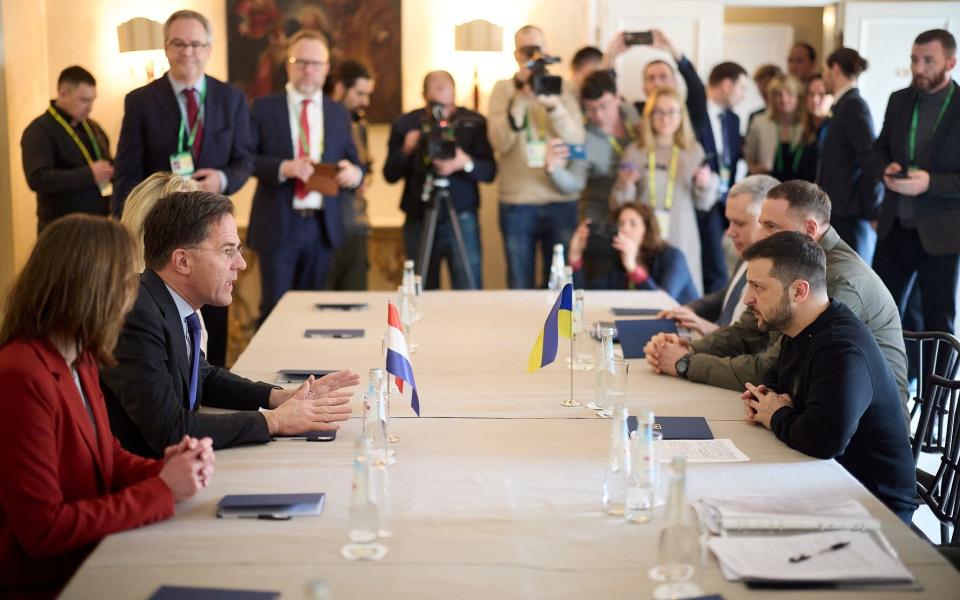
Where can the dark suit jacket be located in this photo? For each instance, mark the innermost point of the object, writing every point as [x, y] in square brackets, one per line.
[938, 210]
[733, 144]
[151, 122]
[148, 391]
[272, 214]
[710, 307]
[65, 486]
[57, 171]
[846, 160]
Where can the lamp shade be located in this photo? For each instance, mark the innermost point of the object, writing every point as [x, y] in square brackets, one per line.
[478, 36]
[140, 34]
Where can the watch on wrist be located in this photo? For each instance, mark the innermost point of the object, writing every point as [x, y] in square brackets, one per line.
[683, 364]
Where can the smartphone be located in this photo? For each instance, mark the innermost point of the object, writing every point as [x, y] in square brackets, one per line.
[638, 38]
[900, 175]
[577, 151]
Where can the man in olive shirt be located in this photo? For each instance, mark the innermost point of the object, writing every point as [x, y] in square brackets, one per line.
[732, 356]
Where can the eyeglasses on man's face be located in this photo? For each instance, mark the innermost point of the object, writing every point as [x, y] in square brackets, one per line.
[302, 63]
[180, 45]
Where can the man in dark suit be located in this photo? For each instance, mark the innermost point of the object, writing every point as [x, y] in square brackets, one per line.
[919, 152]
[188, 123]
[846, 170]
[193, 255]
[294, 229]
[66, 155]
[722, 143]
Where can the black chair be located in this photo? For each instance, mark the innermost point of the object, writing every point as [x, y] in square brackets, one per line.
[940, 491]
[930, 354]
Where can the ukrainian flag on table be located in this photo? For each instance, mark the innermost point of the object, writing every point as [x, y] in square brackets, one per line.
[559, 322]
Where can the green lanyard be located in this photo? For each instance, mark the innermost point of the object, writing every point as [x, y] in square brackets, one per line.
[671, 178]
[915, 119]
[542, 129]
[796, 153]
[196, 125]
[76, 139]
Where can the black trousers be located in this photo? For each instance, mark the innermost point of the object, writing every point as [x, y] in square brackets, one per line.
[902, 263]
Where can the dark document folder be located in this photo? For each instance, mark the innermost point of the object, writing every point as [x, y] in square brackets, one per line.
[678, 428]
[270, 506]
[175, 592]
[338, 334]
[635, 312]
[635, 333]
[342, 306]
[300, 375]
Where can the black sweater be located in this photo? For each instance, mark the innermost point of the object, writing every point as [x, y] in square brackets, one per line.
[846, 405]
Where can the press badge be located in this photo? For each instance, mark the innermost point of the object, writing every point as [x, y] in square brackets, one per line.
[663, 220]
[106, 189]
[536, 154]
[182, 164]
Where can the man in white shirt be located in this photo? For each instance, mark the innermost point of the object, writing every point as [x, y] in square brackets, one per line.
[293, 226]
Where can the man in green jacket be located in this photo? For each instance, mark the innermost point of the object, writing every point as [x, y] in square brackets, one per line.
[742, 352]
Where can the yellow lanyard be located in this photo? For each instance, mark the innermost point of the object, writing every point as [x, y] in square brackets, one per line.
[76, 139]
[671, 178]
[615, 143]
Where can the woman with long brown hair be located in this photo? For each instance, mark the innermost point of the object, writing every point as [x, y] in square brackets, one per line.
[634, 256]
[67, 481]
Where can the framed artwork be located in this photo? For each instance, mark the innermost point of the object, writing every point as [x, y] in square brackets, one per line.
[363, 30]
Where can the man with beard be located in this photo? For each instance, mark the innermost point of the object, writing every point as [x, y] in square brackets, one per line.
[919, 152]
[832, 395]
[745, 352]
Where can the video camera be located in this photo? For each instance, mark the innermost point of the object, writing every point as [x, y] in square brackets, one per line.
[541, 82]
[438, 132]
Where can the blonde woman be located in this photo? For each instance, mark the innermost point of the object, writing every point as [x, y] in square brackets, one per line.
[141, 200]
[775, 138]
[664, 169]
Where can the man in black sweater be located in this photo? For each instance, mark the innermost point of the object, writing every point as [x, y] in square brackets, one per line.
[833, 394]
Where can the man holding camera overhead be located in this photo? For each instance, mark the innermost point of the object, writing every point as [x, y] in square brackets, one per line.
[525, 111]
[441, 149]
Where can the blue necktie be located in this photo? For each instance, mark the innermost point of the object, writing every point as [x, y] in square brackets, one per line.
[726, 315]
[193, 326]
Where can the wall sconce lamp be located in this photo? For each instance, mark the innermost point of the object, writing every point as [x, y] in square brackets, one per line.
[478, 36]
[144, 37]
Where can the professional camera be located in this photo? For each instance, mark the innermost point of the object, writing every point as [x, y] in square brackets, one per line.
[541, 82]
[438, 133]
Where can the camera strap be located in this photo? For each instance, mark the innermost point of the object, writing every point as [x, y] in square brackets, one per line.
[671, 177]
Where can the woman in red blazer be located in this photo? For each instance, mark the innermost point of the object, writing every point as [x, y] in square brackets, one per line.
[66, 482]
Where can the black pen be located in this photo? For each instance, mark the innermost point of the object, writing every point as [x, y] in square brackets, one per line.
[803, 557]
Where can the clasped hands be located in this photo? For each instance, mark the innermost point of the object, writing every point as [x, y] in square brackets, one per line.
[187, 466]
[760, 403]
[317, 405]
[664, 350]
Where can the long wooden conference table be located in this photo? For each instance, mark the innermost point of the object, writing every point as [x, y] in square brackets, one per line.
[496, 490]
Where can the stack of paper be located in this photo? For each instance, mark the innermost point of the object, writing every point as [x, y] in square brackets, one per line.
[701, 451]
[836, 557]
[754, 512]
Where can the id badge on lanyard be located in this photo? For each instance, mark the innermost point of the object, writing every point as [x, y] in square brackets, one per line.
[536, 148]
[181, 164]
[663, 220]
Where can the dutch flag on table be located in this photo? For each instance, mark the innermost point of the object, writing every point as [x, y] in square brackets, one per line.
[559, 322]
[398, 359]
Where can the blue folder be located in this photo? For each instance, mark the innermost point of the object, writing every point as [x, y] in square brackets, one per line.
[678, 428]
[635, 333]
[175, 592]
[276, 507]
[635, 312]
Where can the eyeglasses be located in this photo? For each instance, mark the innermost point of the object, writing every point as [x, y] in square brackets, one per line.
[664, 113]
[303, 63]
[180, 45]
[230, 253]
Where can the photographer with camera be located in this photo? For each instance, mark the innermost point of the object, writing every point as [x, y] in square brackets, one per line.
[629, 255]
[442, 152]
[525, 111]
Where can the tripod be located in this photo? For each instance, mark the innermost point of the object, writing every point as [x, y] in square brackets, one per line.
[436, 192]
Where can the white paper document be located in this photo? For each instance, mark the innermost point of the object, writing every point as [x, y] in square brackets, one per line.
[701, 451]
[768, 559]
[744, 512]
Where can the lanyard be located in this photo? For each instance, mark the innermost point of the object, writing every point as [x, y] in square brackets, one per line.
[615, 143]
[192, 137]
[915, 119]
[796, 152]
[671, 178]
[542, 129]
[76, 139]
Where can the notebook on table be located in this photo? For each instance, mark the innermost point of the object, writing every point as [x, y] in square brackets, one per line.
[300, 375]
[338, 334]
[342, 306]
[678, 428]
[635, 333]
[176, 592]
[279, 507]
